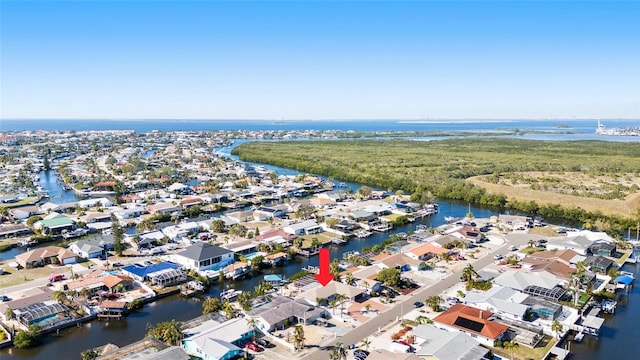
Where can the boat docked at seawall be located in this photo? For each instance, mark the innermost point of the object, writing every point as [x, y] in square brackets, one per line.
[230, 294]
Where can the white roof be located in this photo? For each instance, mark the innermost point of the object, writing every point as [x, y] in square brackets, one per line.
[519, 280]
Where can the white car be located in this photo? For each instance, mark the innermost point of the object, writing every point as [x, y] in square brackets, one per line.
[513, 248]
[497, 257]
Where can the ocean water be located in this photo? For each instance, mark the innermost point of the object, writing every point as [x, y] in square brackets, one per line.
[560, 127]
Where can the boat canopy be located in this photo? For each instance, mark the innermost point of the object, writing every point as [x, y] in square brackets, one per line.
[624, 279]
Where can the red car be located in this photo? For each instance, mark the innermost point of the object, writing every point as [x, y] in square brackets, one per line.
[253, 347]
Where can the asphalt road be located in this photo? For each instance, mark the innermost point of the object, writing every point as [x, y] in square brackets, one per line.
[386, 318]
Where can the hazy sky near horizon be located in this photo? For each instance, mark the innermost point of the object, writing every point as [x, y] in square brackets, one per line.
[319, 60]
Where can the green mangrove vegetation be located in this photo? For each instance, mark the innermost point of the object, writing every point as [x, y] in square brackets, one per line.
[441, 168]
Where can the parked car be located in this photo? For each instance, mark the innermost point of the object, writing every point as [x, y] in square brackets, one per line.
[253, 347]
[513, 248]
[360, 354]
[497, 257]
[264, 343]
[453, 300]
[418, 304]
[4, 298]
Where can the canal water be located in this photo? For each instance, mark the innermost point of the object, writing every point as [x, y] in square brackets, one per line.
[71, 342]
[620, 333]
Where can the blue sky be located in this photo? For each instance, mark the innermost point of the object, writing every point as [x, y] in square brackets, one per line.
[319, 60]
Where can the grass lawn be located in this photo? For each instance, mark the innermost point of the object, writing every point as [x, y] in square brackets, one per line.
[544, 231]
[23, 202]
[625, 255]
[16, 277]
[324, 238]
[531, 250]
[392, 217]
[525, 352]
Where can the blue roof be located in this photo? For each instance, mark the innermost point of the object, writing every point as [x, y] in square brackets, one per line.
[273, 277]
[144, 271]
[624, 279]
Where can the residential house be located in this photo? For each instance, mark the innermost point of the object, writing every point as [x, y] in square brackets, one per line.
[437, 344]
[276, 236]
[515, 222]
[362, 216]
[191, 201]
[331, 290]
[24, 212]
[519, 280]
[95, 247]
[236, 217]
[599, 264]
[567, 257]
[100, 282]
[25, 298]
[55, 223]
[473, 321]
[219, 341]
[44, 256]
[579, 243]
[427, 251]
[131, 213]
[97, 217]
[177, 232]
[398, 261]
[544, 309]
[267, 212]
[95, 202]
[146, 240]
[502, 301]
[163, 208]
[281, 309]
[141, 272]
[468, 233]
[602, 248]
[306, 227]
[9, 230]
[202, 256]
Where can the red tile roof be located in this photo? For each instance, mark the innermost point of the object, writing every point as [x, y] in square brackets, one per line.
[471, 320]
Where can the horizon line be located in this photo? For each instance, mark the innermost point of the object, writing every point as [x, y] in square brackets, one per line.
[429, 119]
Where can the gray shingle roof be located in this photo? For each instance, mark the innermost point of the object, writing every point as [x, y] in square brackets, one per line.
[203, 251]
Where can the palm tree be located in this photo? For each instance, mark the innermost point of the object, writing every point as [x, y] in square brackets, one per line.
[252, 323]
[338, 352]
[556, 327]
[333, 303]
[365, 283]
[469, 273]
[434, 302]
[59, 296]
[228, 310]
[298, 337]
[349, 279]
[365, 343]
[9, 313]
[532, 243]
[511, 345]
[367, 307]
[341, 298]
[210, 304]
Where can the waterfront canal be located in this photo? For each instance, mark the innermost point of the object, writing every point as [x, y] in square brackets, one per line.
[71, 342]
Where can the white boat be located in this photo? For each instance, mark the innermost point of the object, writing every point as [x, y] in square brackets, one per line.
[578, 337]
[230, 294]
